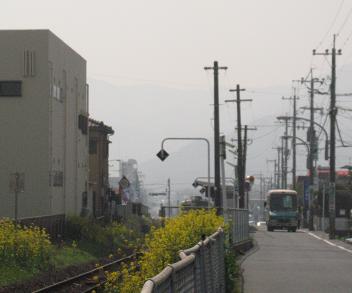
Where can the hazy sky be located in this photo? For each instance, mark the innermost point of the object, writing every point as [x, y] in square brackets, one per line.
[164, 45]
[263, 42]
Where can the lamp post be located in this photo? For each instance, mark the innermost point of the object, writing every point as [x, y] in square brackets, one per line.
[162, 155]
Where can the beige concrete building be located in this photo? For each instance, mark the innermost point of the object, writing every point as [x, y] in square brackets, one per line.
[43, 125]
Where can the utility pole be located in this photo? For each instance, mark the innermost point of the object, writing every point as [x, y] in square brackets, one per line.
[333, 113]
[284, 159]
[245, 143]
[239, 147]
[217, 195]
[245, 146]
[275, 182]
[286, 152]
[313, 146]
[294, 160]
[223, 175]
[244, 166]
[169, 196]
[245, 153]
[294, 140]
[278, 173]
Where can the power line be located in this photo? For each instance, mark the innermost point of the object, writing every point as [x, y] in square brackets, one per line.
[345, 21]
[331, 26]
[266, 134]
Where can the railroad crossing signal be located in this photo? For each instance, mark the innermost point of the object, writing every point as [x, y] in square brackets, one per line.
[162, 155]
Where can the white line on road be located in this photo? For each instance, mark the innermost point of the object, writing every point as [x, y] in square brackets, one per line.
[330, 243]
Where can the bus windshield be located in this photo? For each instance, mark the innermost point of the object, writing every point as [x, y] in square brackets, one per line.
[283, 202]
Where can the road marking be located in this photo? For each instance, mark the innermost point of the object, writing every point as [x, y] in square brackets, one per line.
[330, 243]
[311, 234]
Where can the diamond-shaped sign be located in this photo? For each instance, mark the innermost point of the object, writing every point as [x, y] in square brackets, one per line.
[124, 183]
[162, 155]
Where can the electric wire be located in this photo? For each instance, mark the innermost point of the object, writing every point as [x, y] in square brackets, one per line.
[332, 24]
[345, 21]
[267, 134]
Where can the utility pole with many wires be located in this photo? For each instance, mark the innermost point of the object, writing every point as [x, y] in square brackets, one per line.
[332, 113]
[313, 147]
[278, 173]
[294, 128]
[284, 153]
[240, 172]
[217, 184]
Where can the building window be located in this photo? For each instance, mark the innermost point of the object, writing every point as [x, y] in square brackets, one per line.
[93, 146]
[11, 88]
[57, 178]
[28, 63]
[56, 92]
[83, 124]
[84, 199]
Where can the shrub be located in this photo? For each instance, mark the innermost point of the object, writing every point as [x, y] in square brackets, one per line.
[161, 248]
[99, 239]
[24, 246]
[232, 270]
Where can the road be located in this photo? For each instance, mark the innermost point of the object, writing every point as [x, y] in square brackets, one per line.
[297, 262]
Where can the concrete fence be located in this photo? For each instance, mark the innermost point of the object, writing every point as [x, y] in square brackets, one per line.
[200, 270]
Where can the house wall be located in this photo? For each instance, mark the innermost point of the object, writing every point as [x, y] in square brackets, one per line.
[99, 172]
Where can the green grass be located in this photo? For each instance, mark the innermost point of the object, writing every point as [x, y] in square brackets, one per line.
[13, 274]
[60, 258]
[67, 256]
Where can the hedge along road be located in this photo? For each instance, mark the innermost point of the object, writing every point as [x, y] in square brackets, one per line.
[298, 262]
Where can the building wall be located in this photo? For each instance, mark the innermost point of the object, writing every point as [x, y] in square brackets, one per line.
[69, 147]
[39, 135]
[24, 124]
[98, 171]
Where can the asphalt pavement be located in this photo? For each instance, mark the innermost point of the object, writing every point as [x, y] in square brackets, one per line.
[300, 262]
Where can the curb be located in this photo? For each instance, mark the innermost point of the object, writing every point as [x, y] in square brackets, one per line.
[241, 259]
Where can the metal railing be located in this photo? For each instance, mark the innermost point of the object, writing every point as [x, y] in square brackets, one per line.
[239, 226]
[200, 270]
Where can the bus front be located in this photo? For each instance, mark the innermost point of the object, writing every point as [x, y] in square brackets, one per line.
[282, 212]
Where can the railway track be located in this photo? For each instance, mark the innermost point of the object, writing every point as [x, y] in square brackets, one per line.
[85, 282]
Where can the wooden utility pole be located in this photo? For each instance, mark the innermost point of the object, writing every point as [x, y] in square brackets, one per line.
[275, 182]
[285, 152]
[169, 196]
[278, 172]
[294, 160]
[245, 146]
[240, 148]
[313, 147]
[217, 184]
[332, 113]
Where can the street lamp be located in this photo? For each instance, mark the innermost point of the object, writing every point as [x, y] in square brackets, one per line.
[162, 154]
[315, 123]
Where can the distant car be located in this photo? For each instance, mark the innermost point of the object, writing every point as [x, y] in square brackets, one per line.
[251, 223]
[261, 223]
